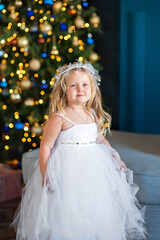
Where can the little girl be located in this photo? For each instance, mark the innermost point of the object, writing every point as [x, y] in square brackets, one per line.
[80, 189]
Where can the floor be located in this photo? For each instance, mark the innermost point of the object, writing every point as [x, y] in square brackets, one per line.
[7, 211]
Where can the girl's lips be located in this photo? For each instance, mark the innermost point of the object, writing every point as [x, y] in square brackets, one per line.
[80, 95]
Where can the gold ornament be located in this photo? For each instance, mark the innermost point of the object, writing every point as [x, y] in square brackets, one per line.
[18, 3]
[26, 83]
[34, 64]
[3, 66]
[75, 42]
[45, 27]
[29, 102]
[37, 129]
[94, 57]
[94, 19]
[57, 6]
[13, 15]
[16, 96]
[23, 42]
[79, 22]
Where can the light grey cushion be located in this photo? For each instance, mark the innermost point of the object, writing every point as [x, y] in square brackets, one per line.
[137, 151]
[28, 158]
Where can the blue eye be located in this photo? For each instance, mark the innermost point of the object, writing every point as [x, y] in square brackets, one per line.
[73, 85]
[85, 84]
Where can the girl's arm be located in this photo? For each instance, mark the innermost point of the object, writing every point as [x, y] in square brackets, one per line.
[50, 134]
[101, 139]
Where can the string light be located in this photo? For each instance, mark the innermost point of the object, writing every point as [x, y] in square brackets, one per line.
[34, 144]
[7, 137]
[11, 125]
[63, 9]
[6, 147]
[4, 107]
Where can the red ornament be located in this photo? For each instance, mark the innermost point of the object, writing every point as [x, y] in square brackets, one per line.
[14, 42]
[41, 40]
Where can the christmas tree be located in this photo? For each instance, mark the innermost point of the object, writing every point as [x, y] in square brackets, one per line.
[37, 37]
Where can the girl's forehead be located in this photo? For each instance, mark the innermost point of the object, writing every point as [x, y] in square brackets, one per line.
[77, 75]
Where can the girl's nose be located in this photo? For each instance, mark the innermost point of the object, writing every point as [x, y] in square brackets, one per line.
[80, 88]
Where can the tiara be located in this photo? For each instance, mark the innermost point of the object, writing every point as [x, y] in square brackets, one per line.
[78, 65]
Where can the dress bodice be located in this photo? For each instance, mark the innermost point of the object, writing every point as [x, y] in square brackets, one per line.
[80, 132]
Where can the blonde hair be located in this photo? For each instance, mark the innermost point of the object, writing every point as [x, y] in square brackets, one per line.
[58, 101]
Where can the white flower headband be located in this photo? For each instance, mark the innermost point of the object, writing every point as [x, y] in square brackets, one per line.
[78, 65]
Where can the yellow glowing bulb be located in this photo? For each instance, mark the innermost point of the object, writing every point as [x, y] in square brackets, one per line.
[41, 101]
[70, 50]
[33, 135]
[44, 18]
[4, 11]
[0, 90]
[11, 125]
[11, 90]
[4, 107]
[7, 137]
[19, 24]
[79, 6]
[60, 37]
[52, 57]
[106, 125]
[20, 75]
[65, 38]
[23, 139]
[42, 93]
[25, 54]
[6, 147]
[5, 55]
[26, 134]
[36, 75]
[12, 61]
[36, 102]
[34, 144]
[58, 58]
[29, 139]
[26, 128]
[80, 48]
[16, 54]
[63, 9]
[26, 29]
[26, 65]
[86, 25]
[32, 17]
[41, 11]
[46, 117]
[80, 59]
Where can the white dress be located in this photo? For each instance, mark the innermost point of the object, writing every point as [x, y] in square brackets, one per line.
[85, 197]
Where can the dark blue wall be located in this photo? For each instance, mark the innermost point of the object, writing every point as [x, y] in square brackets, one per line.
[139, 104]
[107, 46]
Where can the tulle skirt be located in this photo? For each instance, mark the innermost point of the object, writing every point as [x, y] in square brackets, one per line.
[85, 197]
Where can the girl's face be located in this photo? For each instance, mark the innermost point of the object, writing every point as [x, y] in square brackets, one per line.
[78, 88]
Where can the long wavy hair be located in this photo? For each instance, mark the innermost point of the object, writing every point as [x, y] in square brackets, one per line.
[58, 101]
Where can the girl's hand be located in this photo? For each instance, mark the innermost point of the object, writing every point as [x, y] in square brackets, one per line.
[122, 165]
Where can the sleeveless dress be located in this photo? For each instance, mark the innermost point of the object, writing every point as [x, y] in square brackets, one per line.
[85, 196]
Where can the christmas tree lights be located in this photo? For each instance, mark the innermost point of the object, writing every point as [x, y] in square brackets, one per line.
[36, 38]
